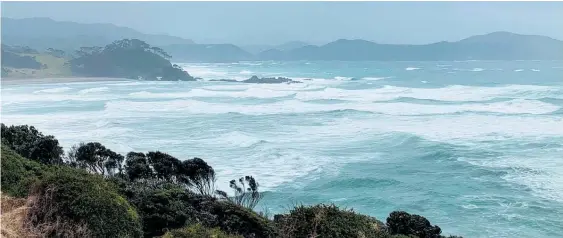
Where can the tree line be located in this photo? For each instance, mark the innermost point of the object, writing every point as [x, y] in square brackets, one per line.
[92, 191]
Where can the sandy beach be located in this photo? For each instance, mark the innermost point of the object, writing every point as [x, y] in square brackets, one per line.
[15, 81]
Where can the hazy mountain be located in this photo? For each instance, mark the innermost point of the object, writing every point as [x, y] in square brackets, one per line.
[43, 33]
[207, 53]
[256, 49]
[493, 46]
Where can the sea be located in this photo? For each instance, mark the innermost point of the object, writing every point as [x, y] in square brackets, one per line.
[474, 146]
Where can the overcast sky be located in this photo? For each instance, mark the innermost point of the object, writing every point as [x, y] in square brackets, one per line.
[313, 22]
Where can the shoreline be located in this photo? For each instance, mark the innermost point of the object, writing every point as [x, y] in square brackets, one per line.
[51, 80]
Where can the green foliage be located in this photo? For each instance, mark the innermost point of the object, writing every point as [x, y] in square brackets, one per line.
[246, 194]
[236, 219]
[195, 173]
[327, 221]
[130, 58]
[137, 166]
[13, 60]
[96, 158]
[168, 206]
[198, 231]
[18, 173]
[32, 144]
[78, 197]
[161, 207]
[400, 222]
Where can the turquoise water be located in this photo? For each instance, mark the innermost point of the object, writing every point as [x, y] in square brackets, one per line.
[475, 146]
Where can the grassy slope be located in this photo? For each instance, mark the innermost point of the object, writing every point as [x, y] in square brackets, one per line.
[55, 68]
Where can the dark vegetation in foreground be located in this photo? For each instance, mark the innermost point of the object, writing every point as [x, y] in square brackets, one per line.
[92, 191]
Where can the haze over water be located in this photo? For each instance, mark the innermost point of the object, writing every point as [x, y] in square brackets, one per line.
[474, 146]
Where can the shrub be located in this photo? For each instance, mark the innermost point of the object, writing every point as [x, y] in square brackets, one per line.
[246, 194]
[18, 173]
[78, 198]
[327, 221]
[194, 174]
[403, 223]
[236, 219]
[198, 231]
[161, 207]
[32, 144]
[165, 206]
[96, 158]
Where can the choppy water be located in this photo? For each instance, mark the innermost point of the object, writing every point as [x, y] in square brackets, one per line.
[475, 146]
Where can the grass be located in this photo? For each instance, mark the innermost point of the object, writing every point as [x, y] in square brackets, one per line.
[13, 213]
[55, 68]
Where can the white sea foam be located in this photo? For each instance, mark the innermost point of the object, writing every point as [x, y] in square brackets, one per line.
[275, 87]
[477, 69]
[517, 106]
[342, 78]
[53, 90]
[535, 70]
[94, 90]
[205, 72]
[232, 139]
[411, 68]
[456, 93]
[248, 93]
[518, 70]
[375, 78]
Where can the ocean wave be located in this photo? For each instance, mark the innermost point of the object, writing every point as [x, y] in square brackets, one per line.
[375, 78]
[53, 90]
[517, 106]
[477, 69]
[248, 93]
[455, 93]
[411, 68]
[94, 90]
[341, 78]
[234, 139]
[246, 72]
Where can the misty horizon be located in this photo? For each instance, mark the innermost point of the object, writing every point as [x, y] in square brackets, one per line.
[274, 23]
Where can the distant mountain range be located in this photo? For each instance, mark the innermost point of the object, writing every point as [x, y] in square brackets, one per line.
[42, 33]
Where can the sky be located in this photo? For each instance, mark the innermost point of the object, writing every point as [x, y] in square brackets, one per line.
[257, 23]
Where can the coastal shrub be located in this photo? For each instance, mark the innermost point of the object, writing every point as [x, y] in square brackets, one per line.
[137, 166]
[78, 198]
[194, 174]
[236, 219]
[165, 206]
[327, 221]
[18, 173]
[246, 192]
[400, 222]
[32, 144]
[162, 208]
[96, 158]
[199, 231]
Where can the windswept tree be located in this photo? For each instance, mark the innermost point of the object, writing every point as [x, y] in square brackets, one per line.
[200, 175]
[96, 158]
[137, 166]
[194, 174]
[246, 192]
[32, 144]
[165, 166]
